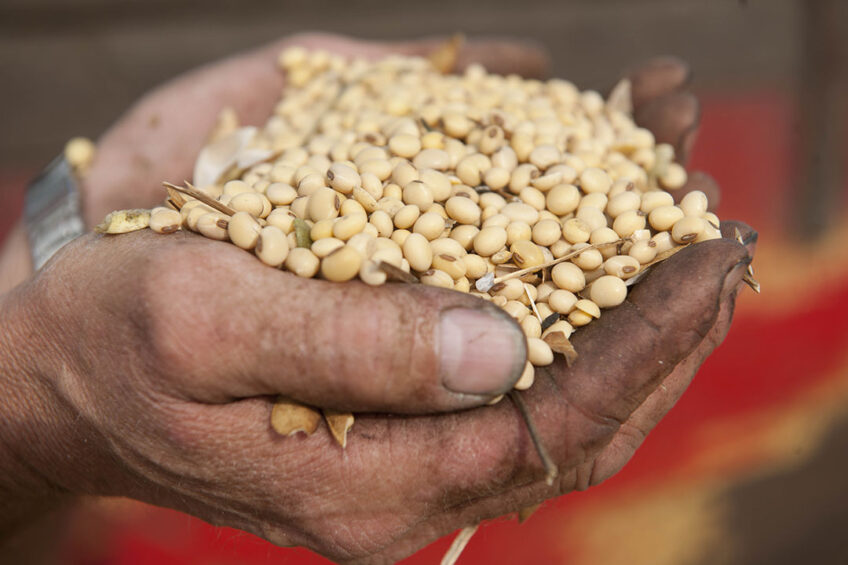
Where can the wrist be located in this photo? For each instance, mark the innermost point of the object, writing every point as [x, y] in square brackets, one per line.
[54, 441]
[30, 417]
[50, 452]
[15, 259]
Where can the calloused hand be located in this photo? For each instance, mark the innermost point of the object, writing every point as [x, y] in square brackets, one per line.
[152, 362]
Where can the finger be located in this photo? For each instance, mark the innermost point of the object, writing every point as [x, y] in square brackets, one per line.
[657, 77]
[627, 353]
[748, 235]
[398, 348]
[699, 180]
[660, 401]
[673, 118]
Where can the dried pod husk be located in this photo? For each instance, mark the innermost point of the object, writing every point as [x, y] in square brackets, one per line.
[485, 283]
[340, 424]
[249, 156]
[199, 195]
[124, 221]
[226, 123]
[559, 343]
[525, 513]
[219, 158]
[620, 97]
[445, 56]
[530, 278]
[289, 417]
[549, 321]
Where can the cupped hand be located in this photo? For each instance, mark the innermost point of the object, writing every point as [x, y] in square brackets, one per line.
[161, 356]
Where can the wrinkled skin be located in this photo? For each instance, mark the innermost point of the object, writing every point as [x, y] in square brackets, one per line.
[152, 361]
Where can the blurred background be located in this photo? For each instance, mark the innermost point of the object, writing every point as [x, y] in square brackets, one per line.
[752, 465]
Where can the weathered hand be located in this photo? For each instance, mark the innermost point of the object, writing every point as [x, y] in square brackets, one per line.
[156, 356]
[152, 362]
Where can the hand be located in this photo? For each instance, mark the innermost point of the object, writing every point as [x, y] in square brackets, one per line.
[663, 104]
[154, 380]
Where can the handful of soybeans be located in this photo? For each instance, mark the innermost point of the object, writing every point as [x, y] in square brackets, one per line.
[540, 198]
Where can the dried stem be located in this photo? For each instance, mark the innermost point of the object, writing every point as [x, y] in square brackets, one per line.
[396, 274]
[665, 255]
[445, 56]
[176, 198]
[205, 198]
[548, 463]
[565, 257]
[749, 279]
[659, 258]
[525, 513]
[533, 304]
[752, 282]
[459, 543]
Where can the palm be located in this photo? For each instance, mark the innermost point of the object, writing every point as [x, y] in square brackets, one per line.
[388, 494]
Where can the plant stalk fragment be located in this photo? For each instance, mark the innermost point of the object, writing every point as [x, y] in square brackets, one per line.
[551, 471]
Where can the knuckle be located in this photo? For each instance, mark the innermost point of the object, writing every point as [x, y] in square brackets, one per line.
[181, 310]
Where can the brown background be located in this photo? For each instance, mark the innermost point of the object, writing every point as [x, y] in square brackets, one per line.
[70, 68]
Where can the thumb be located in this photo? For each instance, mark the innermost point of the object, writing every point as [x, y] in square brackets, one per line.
[397, 348]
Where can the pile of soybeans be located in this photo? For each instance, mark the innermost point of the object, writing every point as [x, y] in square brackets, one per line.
[545, 200]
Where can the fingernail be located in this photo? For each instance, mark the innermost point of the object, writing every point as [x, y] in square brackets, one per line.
[481, 351]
